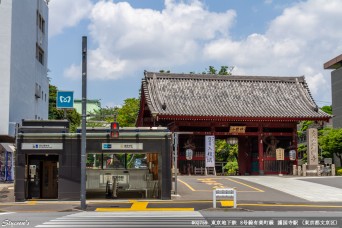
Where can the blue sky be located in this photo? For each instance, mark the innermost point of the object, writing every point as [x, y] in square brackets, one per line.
[259, 37]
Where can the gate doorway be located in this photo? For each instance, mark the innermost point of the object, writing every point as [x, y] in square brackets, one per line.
[42, 177]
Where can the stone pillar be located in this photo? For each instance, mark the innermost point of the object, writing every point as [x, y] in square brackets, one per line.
[299, 170]
[294, 170]
[304, 170]
[312, 151]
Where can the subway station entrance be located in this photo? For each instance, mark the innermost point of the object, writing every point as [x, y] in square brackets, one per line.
[41, 177]
[136, 164]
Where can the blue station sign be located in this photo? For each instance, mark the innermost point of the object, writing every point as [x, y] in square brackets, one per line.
[65, 99]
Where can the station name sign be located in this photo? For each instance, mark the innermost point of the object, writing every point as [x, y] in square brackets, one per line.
[42, 146]
[122, 146]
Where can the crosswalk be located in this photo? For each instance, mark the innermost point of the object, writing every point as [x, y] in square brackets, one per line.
[131, 219]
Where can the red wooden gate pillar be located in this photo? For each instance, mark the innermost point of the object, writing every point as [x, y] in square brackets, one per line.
[295, 143]
[260, 150]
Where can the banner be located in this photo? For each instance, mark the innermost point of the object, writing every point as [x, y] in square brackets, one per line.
[209, 151]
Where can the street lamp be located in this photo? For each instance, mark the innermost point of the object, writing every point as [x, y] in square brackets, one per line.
[232, 140]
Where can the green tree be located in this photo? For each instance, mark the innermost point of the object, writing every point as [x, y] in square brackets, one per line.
[330, 141]
[212, 70]
[302, 152]
[224, 70]
[327, 109]
[102, 117]
[56, 114]
[128, 113]
[227, 153]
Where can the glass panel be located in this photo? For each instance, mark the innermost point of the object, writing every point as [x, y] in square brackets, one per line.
[136, 161]
[94, 161]
[113, 161]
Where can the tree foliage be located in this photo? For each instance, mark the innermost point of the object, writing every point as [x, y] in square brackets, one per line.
[227, 153]
[303, 126]
[224, 70]
[327, 109]
[330, 141]
[128, 113]
[102, 117]
[56, 114]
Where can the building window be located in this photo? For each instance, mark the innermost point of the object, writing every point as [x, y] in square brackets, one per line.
[39, 54]
[40, 22]
[117, 161]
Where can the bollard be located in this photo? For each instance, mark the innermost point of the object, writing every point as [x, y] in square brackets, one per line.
[319, 170]
[299, 170]
[333, 170]
[294, 170]
[304, 170]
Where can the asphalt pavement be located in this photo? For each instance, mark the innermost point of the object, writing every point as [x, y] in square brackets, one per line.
[194, 193]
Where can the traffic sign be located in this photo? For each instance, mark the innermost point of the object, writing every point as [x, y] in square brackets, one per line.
[65, 99]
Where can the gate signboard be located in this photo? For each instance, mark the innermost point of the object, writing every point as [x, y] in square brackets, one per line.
[280, 154]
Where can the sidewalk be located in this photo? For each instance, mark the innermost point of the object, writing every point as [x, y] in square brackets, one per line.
[297, 186]
[6, 192]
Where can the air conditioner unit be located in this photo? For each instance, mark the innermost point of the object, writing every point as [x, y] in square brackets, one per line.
[38, 91]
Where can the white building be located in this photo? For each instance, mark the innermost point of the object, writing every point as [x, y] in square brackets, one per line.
[24, 85]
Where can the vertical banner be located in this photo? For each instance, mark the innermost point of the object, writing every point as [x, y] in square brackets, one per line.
[209, 151]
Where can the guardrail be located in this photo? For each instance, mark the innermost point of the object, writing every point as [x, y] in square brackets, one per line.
[224, 193]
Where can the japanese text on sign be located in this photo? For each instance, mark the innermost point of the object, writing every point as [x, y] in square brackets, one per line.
[280, 154]
[237, 129]
[209, 151]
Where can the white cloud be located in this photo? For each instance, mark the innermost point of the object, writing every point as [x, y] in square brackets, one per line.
[131, 39]
[66, 13]
[297, 42]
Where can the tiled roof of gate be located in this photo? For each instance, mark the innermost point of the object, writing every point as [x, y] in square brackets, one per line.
[229, 96]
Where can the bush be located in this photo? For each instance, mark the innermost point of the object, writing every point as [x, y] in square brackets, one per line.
[338, 171]
[232, 167]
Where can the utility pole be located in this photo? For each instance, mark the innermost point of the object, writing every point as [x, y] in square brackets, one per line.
[84, 115]
[175, 155]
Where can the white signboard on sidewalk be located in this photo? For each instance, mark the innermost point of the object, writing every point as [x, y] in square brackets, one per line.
[209, 151]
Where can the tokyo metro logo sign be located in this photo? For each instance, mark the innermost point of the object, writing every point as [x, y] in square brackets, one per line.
[65, 99]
